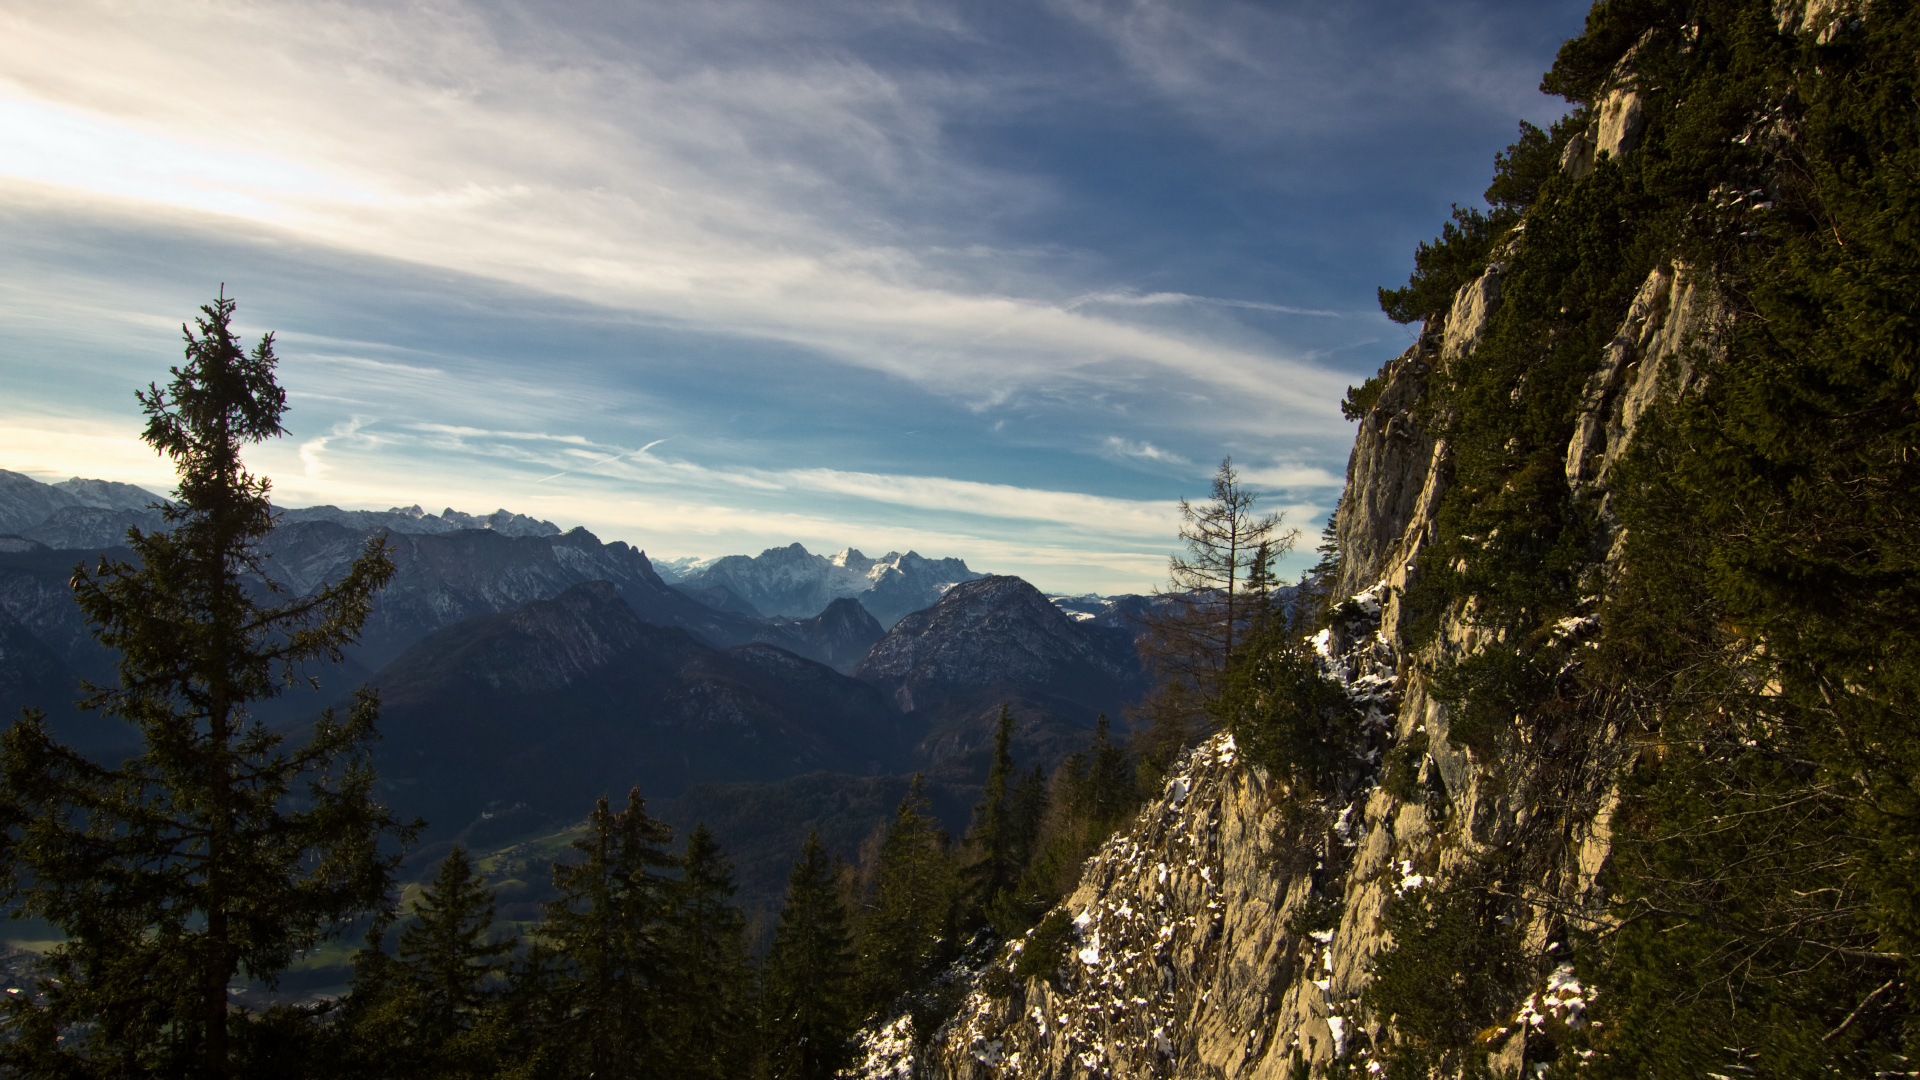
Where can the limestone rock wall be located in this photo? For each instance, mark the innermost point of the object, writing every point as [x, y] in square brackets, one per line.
[1195, 949]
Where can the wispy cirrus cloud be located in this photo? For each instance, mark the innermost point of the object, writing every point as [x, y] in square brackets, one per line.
[868, 269]
[1142, 450]
[1164, 299]
[636, 187]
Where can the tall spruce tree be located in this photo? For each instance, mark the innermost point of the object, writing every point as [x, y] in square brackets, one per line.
[810, 1003]
[448, 954]
[1000, 844]
[994, 842]
[709, 1003]
[1109, 794]
[909, 923]
[610, 926]
[220, 849]
[426, 1012]
[1090, 795]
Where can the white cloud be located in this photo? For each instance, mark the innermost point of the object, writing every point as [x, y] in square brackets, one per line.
[1143, 450]
[1286, 475]
[1228, 62]
[760, 197]
[1162, 299]
[312, 450]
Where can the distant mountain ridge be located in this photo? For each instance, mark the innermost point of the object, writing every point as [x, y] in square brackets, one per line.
[526, 670]
[80, 513]
[26, 502]
[541, 708]
[793, 581]
[999, 631]
[449, 567]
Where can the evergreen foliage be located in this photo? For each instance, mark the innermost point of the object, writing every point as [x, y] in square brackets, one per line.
[219, 850]
[426, 1011]
[997, 846]
[1090, 795]
[811, 998]
[1755, 654]
[446, 953]
[1455, 970]
[709, 1000]
[1286, 715]
[610, 927]
[909, 927]
[1000, 846]
[1458, 255]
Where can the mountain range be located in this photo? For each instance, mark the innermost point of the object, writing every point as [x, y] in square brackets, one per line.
[792, 581]
[525, 670]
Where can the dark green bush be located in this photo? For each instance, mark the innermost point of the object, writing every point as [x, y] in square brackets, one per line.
[1360, 399]
[1441, 266]
[1456, 966]
[1046, 948]
[1288, 717]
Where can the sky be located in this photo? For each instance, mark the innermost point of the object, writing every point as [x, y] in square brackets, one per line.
[997, 281]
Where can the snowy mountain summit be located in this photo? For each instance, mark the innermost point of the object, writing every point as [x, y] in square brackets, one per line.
[795, 582]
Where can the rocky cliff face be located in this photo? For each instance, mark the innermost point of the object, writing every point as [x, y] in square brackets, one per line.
[1217, 937]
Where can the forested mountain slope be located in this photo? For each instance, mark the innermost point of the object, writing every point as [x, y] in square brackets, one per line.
[529, 715]
[1627, 778]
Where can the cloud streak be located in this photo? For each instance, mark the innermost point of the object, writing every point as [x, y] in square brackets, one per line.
[999, 278]
[561, 191]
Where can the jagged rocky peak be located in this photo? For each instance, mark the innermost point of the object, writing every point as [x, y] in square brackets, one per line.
[993, 631]
[26, 503]
[851, 559]
[791, 581]
[412, 519]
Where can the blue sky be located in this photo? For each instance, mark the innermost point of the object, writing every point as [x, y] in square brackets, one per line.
[998, 281]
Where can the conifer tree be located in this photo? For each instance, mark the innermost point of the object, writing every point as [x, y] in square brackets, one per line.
[1091, 794]
[908, 928]
[446, 952]
[1215, 591]
[1317, 585]
[609, 926]
[810, 1001]
[1109, 796]
[534, 1029]
[1018, 906]
[994, 840]
[1228, 549]
[708, 1006]
[1001, 843]
[174, 872]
